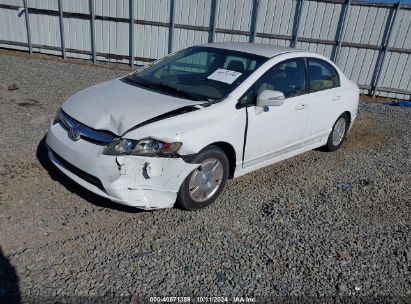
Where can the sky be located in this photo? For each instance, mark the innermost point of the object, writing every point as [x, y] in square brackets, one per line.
[390, 1]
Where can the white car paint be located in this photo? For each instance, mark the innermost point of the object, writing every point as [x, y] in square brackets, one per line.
[113, 106]
[302, 123]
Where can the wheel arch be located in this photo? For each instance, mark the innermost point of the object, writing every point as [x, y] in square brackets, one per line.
[229, 150]
[348, 113]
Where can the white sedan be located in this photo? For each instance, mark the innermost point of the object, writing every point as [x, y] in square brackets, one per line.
[176, 130]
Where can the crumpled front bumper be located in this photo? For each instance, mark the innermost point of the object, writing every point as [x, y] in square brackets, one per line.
[142, 182]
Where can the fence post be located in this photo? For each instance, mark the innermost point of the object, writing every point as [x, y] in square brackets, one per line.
[342, 30]
[26, 15]
[93, 38]
[254, 18]
[298, 9]
[386, 45]
[63, 43]
[213, 20]
[131, 8]
[171, 30]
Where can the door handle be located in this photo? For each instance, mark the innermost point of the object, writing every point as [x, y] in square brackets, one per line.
[336, 98]
[301, 106]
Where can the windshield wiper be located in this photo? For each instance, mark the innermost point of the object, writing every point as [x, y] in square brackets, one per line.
[133, 80]
[178, 91]
[165, 87]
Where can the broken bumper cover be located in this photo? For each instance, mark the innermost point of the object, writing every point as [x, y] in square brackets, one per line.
[142, 182]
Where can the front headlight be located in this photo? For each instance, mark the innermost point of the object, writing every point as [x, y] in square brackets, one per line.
[144, 147]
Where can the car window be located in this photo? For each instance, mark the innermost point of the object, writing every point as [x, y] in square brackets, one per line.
[196, 63]
[322, 75]
[201, 72]
[246, 64]
[287, 77]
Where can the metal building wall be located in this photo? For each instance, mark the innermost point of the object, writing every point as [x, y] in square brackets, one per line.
[13, 26]
[163, 26]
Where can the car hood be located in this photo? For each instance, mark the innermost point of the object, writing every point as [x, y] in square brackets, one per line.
[117, 106]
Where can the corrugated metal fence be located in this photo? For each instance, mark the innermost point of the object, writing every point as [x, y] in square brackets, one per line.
[370, 42]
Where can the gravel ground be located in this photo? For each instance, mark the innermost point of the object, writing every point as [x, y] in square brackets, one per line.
[317, 225]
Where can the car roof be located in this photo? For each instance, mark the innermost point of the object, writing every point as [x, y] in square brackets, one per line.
[266, 50]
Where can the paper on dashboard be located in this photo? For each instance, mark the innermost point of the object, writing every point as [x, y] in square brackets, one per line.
[224, 75]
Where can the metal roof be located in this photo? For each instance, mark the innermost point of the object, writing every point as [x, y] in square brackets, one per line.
[266, 50]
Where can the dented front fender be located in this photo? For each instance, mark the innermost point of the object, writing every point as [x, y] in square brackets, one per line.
[154, 173]
[143, 182]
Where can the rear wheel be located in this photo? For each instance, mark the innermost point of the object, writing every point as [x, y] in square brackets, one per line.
[203, 185]
[337, 135]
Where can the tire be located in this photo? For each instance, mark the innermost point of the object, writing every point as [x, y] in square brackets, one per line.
[338, 133]
[205, 183]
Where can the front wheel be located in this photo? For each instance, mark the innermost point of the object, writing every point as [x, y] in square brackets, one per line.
[205, 183]
[337, 135]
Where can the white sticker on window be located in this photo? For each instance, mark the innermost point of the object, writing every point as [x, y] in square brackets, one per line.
[224, 75]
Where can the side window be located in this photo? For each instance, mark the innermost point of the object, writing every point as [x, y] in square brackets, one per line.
[322, 75]
[287, 77]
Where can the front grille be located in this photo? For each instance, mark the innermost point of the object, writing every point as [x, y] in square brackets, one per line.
[80, 173]
[98, 137]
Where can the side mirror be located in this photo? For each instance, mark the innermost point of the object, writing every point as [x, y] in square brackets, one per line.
[270, 98]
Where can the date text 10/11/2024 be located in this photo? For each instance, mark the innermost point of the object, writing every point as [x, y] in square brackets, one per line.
[202, 299]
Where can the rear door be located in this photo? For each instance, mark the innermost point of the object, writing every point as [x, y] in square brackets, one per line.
[326, 98]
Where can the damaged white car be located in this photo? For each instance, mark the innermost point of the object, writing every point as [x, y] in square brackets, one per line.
[177, 129]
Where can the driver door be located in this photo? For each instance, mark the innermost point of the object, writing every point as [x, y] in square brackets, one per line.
[278, 129]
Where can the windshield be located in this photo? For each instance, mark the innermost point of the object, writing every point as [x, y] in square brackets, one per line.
[198, 73]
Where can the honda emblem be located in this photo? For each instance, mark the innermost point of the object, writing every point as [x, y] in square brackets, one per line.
[73, 133]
